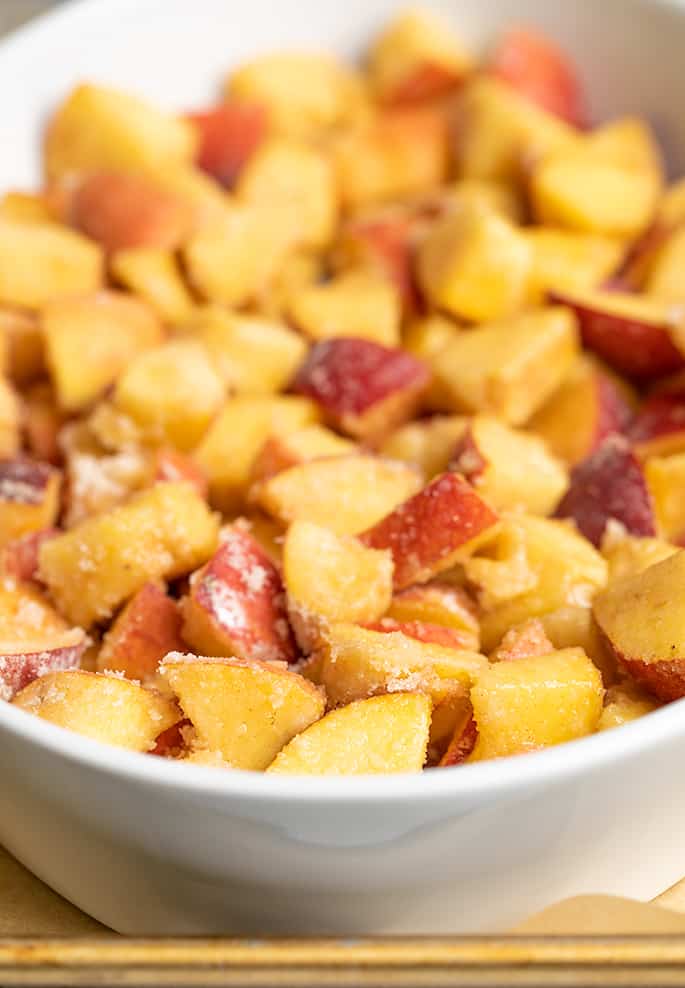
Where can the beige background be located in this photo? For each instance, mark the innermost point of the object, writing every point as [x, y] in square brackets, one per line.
[14, 12]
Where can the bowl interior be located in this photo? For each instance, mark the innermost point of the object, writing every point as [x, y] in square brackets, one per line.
[176, 53]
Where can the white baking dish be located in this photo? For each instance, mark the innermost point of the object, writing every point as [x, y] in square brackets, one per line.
[150, 846]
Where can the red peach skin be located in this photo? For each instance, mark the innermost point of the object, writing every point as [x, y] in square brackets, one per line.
[236, 605]
[609, 484]
[432, 634]
[429, 81]
[172, 466]
[143, 633]
[541, 72]
[461, 745]
[22, 662]
[20, 557]
[388, 243]
[229, 136]
[659, 423]
[427, 533]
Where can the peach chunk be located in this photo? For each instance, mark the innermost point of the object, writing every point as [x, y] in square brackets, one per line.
[638, 336]
[26, 615]
[383, 244]
[118, 210]
[23, 345]
[609, 484]
[233, 441]
[658, 428]
[523, 642]
[91, 339]
[29, 497]
[236, 605]
[416, 58]
[104, 708]
[173, 391]
[314, 442]
[475, 265]
[431, 634]
[355, 303]
[624, 703]
[510, 368]
[154, 275]
[331, 577]
[364, 388]
[168, 465]
[162, 532]
[541, 72]
[43, 422]
[509, 468]
[347, 494]
[23, 661]
[589, 405]
[536, 702]
[665, 274]
[428, 443]
[147, 628]
[229, 135]
[563, 260]
[42, 262]
[462, 742]
[382, 735]
[355, 662]
[665, 479]
[628, 555]
[432, 530]
[640, 618]
[244, 711]
[440, 604]
[20, 556]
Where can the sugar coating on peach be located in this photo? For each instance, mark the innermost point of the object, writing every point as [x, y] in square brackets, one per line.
[383, 734]
[23, 661]
[29, 497]
[609, 484]
[430, 531]
[522, 642]
[365, 388]
[246, 711]
[236, 604]
[624, 703]
[102, 707]
[422, 631]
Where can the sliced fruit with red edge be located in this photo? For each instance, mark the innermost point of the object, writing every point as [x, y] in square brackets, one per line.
[229, 135]
[142, 634]
[23, 661]
[658, 428]
[432, 634]
[29, 497]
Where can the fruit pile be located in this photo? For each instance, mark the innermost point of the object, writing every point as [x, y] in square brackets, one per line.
[342, 424]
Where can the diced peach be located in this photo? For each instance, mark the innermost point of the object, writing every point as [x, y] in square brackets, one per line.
[475, 265]
[122, 211]
[314, 442]
[609, 183]
[665, 481]
[430, 634]
[268, 532]
[23, 343]
[431, 531]
[331, 577]
[173, 391]
[172, 743]
[154, 276]
[417, 58]
[563, 260]
[42, 422]
[365, 389]
[383, 245]
[104, 708]
[304, 94]
[658, 428]
[637, 335]
[448, 716]
[463, 741]
[160, 533]
[609, 485]
[29, 497]
[573, 626]
[147, 628]
[500, 131]
[624, 703]
[358, 662]
[441, 604]
[427, 444]
[91, 339]
[296, 181]
[511, 368]
[399, 152]
[244, 711]
[232, 443]
[252, 355]
[385, 734]
[236, 604]
[516, 705]
[26, 615]
[20, 556]
[533, 567]
[509, 468]
[229, 135]
[41, 262]
[23, 661]
[588, 406]
[357, 303]
[640, 618]
[171, 466]
[665, 275]
[541, 72]
[99, 127]
[10, 420]
[295, 270]
[347, 494]
[524, 641]
[26, 207]
[628, 555]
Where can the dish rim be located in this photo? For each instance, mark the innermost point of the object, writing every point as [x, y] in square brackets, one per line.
[482, 779]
